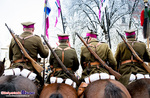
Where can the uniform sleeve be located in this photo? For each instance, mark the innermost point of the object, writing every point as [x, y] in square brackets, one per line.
[82, 59]
[117, 56]
[75, 62]
[146, 56]
[10, 52]
[42, 49]
[51, 59]
[112, 60]
[12, 43]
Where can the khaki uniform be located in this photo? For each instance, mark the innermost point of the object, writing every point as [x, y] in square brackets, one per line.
[103, 51]
[123, 55]
[69, 59]
[33, 45]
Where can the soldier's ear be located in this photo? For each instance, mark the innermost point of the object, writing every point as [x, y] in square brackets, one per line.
[90, 38]
[67, 41]
[32, 29]
[23, 29]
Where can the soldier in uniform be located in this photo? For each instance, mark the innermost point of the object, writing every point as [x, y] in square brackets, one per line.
[88, 62]
[68, 57]
[33, 45]
[126, 62]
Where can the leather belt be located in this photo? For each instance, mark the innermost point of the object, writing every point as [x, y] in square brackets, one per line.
[128, 61]
[22, 60]
[59, 69]
[91, 63]
[94, 63]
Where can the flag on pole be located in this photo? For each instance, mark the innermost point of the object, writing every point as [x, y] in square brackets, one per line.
[47, 8]
[100, 6]
[58, 2]
[59, 11]
[100, 10]
[58, 6]
[56, 21]
[100, 13]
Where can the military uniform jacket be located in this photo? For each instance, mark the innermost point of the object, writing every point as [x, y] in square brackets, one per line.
[70, 60]
[123, 54]
[32, 43]
[103, 51]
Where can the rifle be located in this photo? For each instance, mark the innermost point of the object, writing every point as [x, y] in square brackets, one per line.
[116, 74]
[134, 53]
[24, 52]
[61, 64]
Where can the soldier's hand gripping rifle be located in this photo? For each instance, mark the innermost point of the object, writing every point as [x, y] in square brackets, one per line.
[134, 53]
[61, 64]
[33, 62]
[116, 74]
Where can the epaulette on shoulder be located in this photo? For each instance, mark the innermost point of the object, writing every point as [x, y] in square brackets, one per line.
[141, 42]
[83, 46]
[102, 42]
[122, 42]
[37, 35]
[72, 48]
[53, 48]
[16, 35]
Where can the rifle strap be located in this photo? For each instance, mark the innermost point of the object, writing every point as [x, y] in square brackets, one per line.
[94, 46]
[23, 39]
[132, 43]
[132, 55]
[22, 42]
[128, 61]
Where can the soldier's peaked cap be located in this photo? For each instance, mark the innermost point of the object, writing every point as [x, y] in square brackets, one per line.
[28, 24]
[63, 36]
[91, 34]
[130, 32]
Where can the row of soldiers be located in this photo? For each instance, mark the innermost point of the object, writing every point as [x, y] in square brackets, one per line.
[123, 61]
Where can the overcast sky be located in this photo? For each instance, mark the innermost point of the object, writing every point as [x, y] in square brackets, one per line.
[14, 12]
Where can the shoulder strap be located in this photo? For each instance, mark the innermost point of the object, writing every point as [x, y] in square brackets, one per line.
[95, 46]
[98, 44]
[63, 52]
[132, 43]
[23, 38]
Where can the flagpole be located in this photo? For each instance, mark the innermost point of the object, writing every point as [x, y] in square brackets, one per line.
[45, 17]
[44, 36]
[62, 18]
